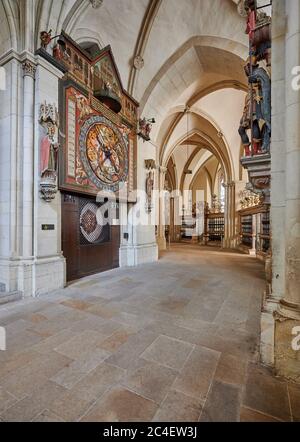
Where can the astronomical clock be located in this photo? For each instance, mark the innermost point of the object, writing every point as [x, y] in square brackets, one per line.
[104, 153]
[99, 126]
[97, 156]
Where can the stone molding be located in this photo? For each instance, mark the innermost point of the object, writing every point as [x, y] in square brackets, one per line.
[96, 3]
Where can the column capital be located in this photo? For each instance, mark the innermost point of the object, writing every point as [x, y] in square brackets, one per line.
[162, 169]
[29, 68]
[229, 184]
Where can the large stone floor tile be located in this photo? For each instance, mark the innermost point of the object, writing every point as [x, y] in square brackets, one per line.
[243, 349]
[16, 360]
[47, 416]
[33, 404]
[248, 415]
[70, 375]
[231, 369]
[177, 407]
[266, 394]
[150, 380]
[70, 405]
[27, 379]
[46, 345]
[6, 400]
[82, 343]
[169, 352]
[222, 404]
[105, 311]
[294, 393]
[170, 329]
[197, 374]
[121, 405]
[126, 355]
[132, 320]
[95, 383]
[77, 304]
[113, 342]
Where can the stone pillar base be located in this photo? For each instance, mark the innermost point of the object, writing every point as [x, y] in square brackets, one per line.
[161, 243]
[267, 338]
[33, 276]
[252, 252]
[228, 243]
[134, 255]
[287, 345]
[195, 239]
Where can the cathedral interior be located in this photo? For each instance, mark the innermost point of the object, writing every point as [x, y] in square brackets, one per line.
[149, 211]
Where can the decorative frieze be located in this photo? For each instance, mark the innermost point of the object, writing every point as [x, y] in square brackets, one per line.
[249, 199]
[96, 3]
[259, 170]
[150, 164]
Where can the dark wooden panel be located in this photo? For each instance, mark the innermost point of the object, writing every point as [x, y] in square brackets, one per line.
[70, 234]
[85, 258]
[115, 245]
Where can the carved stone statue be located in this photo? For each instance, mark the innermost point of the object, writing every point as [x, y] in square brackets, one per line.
[45, 38]
[49, 147]
[150, 166]
[149, 190]
[145, 128]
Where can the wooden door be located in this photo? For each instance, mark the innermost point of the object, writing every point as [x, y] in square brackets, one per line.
[89, 243]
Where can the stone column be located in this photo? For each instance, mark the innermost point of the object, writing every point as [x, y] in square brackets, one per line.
[233, 216]
[276, 269]
[10, 165]
[140, 247]
[229, 215]
[277, 211]
[252, 252]
[287, 316]
[226, 216]
[29, 70]
[161, 238]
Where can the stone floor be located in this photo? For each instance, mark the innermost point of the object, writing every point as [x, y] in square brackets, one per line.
[175, 340]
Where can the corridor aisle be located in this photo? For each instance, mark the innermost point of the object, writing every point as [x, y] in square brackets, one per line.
[175, 340]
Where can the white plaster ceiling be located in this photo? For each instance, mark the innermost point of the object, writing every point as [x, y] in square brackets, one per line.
[226, 108]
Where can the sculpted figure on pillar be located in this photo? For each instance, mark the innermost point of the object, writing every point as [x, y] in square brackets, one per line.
[49, 146]
[261, 83]
[150, 166]
[257, 111]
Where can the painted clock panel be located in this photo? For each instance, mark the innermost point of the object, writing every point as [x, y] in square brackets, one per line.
[104, 153]
[99, 151]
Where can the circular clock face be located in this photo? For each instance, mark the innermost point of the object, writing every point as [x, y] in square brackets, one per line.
[103, 153]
